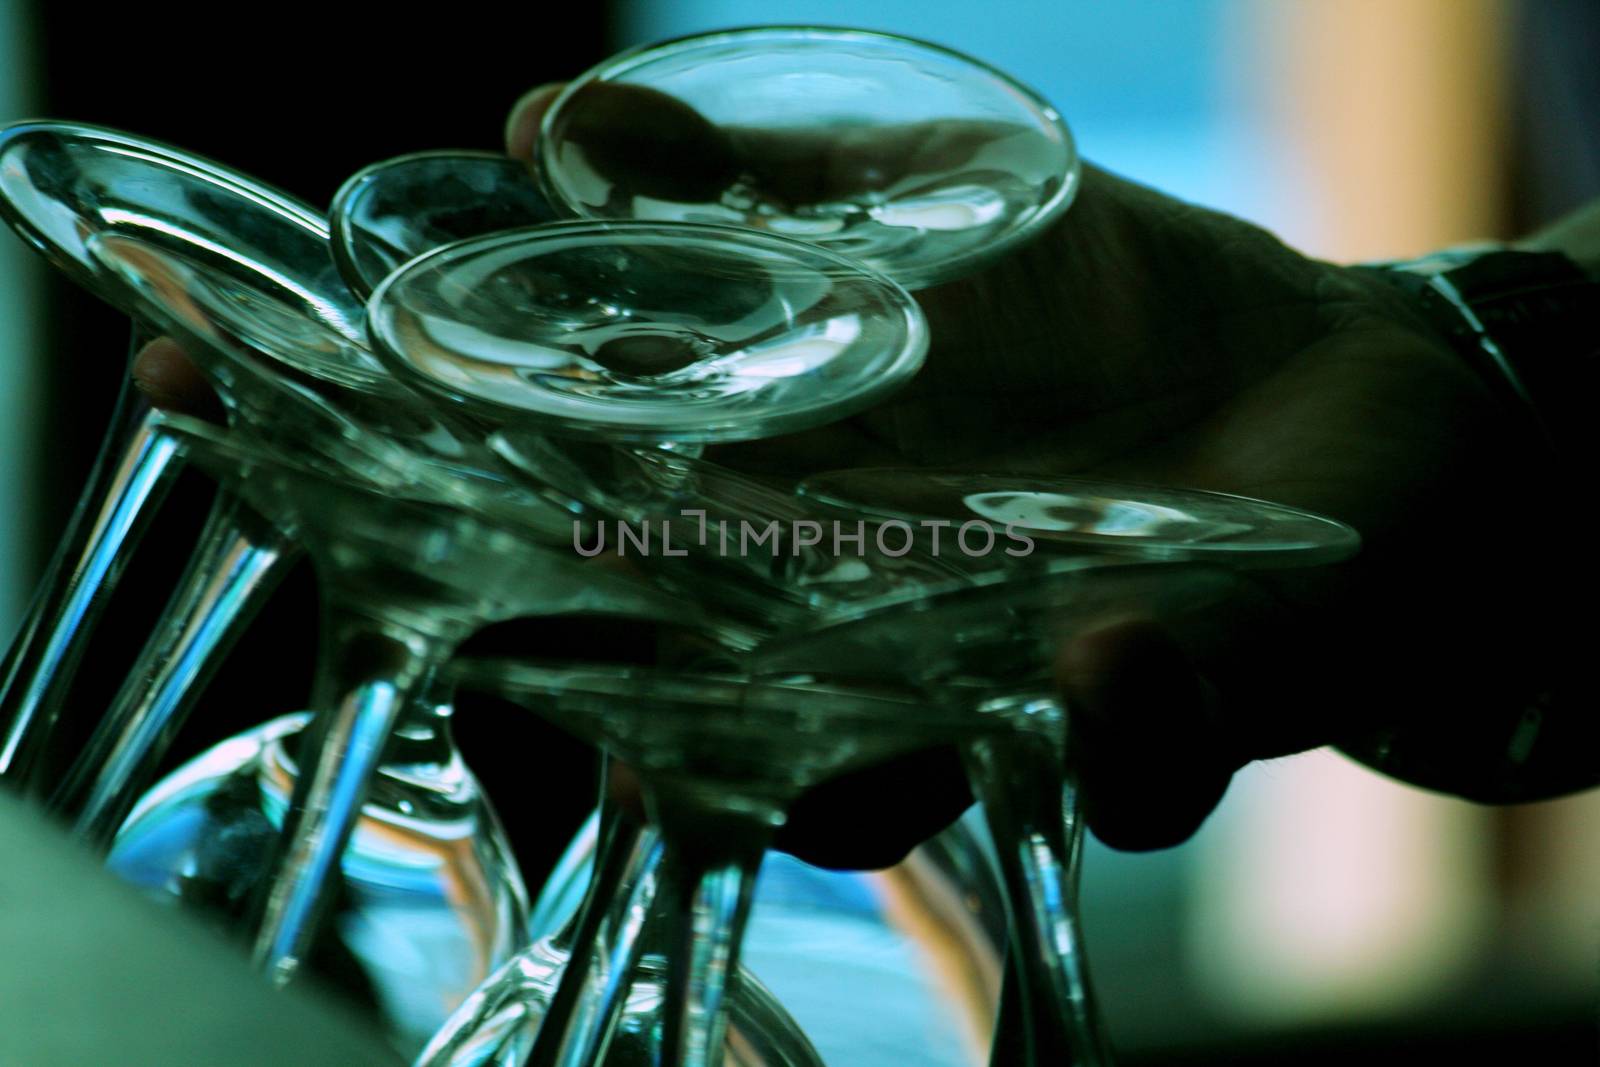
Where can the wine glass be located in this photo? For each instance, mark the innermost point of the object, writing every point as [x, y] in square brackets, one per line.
[1076, 515]
[404, 578]
[639, 333]
[234, 326]
[70, 189]
[983, 653]
[80, 193]
[243, 276]
[630, 259]
[647, 332]
[720, 759]
[92, 198]
[393, 211]
[928, 934]
[917, 160]
[552, 987]
[590, 948]
[60, 185]
[986, 646]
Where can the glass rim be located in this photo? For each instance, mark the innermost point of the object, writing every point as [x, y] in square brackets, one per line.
[757, 694]
[889, 378]
[138, 302]
[339, 235]
[1343, 542]
[109, 285]
[949, 269]
[154, 151]
[1002, 589]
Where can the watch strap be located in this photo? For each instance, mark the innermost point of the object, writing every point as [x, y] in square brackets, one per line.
[1528, 321]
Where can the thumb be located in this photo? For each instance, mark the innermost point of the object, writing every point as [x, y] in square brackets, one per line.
[1151, 753]
[522, 124]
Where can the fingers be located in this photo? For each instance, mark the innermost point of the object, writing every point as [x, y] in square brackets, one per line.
[164, 373]
[870, 819]
[522, 124]
[643, 142]
[634, 139]
[1148, 741]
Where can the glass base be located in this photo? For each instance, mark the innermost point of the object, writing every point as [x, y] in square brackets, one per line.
[498, 1029]
[875, 967]
[431, 901]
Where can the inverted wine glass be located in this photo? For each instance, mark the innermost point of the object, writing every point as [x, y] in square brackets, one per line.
[87, 196]
[1050, 515]
[403, 580]
[1058, 520]
[61, 185]
[720, 758]
[393, 211]
[647, 332]
[987, 646]
[429, 899]
[918, 160]
[590, 947]
[292, 912]
[280, 337]
[231, 327]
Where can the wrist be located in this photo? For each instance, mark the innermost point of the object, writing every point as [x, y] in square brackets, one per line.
[1527, 321]
[1528, 324]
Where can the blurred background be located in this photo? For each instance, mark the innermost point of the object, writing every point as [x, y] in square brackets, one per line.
[1324, 911]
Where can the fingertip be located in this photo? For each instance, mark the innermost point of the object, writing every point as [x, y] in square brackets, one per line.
[522, 124]
[1149, 813]
[163, 372]
[1147, 744]
[158, 354]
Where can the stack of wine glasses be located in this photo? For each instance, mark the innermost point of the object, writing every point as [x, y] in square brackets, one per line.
[469, 394]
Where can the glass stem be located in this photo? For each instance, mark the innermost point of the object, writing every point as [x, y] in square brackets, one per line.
[370, 670]
[236, 565]
[135, 468]
[603, 942]
[709, 869]
[1031, 804]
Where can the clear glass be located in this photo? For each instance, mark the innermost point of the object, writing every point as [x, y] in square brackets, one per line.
[63, 187]
[603, 1004]
[985, 652]
[404, 579]
[429, 901]
[396, 210]
[648, 332]
[233, 571]
[922, 942]
[719, 760]
[919, 161]
[244, 278]
[1087, 514]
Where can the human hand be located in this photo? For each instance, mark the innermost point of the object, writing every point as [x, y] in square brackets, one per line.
[1145, 339]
